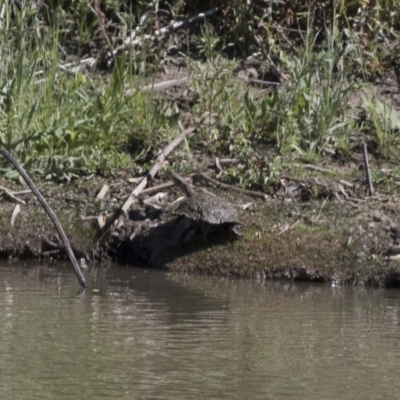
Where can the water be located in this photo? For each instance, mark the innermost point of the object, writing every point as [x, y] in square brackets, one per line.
[139, 334]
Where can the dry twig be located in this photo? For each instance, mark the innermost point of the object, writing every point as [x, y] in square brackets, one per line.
[229, 187]
[103, 192]
[153, 170]
[264, 83]
[316, 168]
[221, 162]
[158, 86]
[366, 166]
[158, 188]
[178, 25]
[132, 41]
[278, 28]
[11, 194]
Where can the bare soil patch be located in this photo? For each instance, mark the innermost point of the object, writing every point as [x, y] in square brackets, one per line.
[284, 237]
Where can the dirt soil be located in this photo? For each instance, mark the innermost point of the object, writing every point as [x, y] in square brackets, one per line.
[286, 235]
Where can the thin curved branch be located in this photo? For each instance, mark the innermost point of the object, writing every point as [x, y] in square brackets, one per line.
[50, 213]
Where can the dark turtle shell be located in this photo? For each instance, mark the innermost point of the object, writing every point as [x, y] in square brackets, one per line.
[207, 209]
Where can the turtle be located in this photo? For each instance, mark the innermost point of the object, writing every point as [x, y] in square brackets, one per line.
[204, 211]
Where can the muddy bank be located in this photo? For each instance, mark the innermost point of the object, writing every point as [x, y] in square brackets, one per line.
[283, 238]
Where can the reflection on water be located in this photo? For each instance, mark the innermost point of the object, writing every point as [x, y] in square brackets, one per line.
[150, 335]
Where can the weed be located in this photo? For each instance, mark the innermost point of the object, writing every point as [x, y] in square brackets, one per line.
[384, 120]
[59, 123]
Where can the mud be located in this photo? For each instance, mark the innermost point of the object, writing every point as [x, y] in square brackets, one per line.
[284, 237]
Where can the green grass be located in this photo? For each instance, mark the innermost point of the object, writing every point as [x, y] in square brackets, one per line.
[60, 124]
[306, 120]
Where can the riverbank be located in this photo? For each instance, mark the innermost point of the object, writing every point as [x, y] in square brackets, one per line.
[284, 237]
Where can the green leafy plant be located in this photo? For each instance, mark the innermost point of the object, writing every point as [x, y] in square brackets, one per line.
[384, 120]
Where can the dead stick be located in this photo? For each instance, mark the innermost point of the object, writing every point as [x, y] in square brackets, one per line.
[158, 86]
[229, 187]
[229, 161]
[178, 25]
[265, 83]
[11, 194]
[157, 188]
[224, 162]
[50, 213]
[366, 166]
[153, 170]
[278, 28]
[302, 181]
[131, 41]
[218, 165]
[316, 168]
[164, 84]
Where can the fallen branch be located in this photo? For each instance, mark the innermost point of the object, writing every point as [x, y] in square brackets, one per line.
[143, 183]
[11, 194]
[341, 188]
[264, 83]
[346, 183]
[50, 213]
[158, 86]
[158, 188]
[316, 168]
[221, 162]
[228, 187]
[132, 41]
[337, 197]
[218, 165]
[165, 84]
[278, 28]
[103, 192]
[308, 182]
[178, 25]
[142, 20]
[287, 227]
[86, 64]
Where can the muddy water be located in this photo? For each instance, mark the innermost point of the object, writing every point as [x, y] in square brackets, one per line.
[150, 335]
